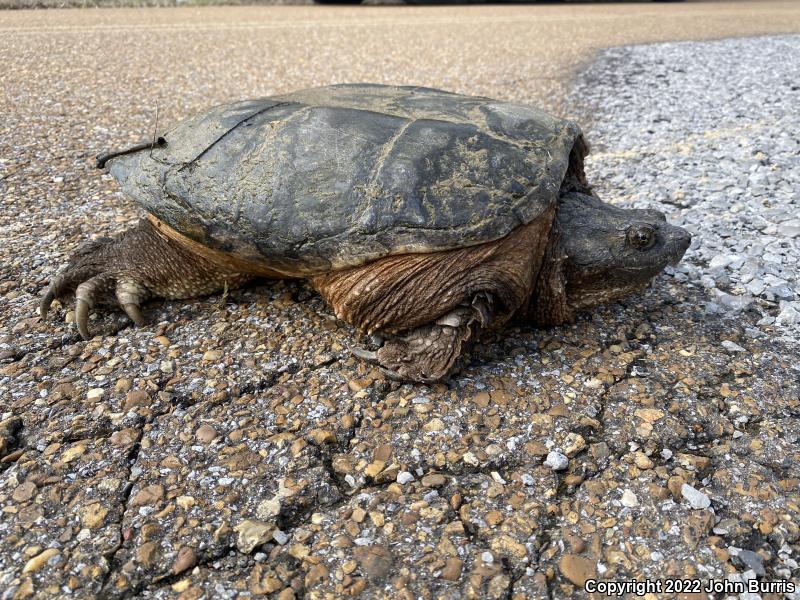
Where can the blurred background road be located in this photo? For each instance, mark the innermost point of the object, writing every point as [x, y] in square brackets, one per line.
[126, 59]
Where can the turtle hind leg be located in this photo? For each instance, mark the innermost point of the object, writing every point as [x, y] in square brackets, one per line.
[137, 265]
[429, 353]
[430, 306]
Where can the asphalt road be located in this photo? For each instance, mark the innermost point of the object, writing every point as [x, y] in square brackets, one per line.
[235, 445]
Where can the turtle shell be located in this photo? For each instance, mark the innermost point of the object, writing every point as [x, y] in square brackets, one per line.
[338, 176]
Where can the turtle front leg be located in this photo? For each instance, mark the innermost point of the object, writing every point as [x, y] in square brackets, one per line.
[135, 266]
[428, 354]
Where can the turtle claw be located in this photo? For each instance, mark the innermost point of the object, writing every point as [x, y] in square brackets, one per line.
[64, 284]
[47, 300]
[134, 314]
[364, 354]
[54, 290]
[391, 374]
[86, 295]
[82, 318]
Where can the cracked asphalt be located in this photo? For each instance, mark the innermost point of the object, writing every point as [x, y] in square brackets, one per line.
[234, 448]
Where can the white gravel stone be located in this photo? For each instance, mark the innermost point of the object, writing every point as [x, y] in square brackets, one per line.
[789, 229]
[629, 499]
[789, 315]
[556, 461]
[404, 477]
[280, 537]
[732, 346]
[95, 393]
[696, 499]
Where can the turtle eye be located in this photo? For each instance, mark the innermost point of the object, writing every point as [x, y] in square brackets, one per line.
[641, 236]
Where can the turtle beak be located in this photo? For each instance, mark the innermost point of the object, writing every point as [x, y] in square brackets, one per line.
[678, 243]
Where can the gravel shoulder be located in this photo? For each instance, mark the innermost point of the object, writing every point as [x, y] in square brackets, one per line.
[720, 158]
[234, 448]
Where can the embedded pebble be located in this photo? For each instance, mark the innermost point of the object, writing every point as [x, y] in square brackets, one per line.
[629, 499]
[789, 315]
[749, 560]
[578, 569]
[404, 477]
[206, 433]
[452, 569]
[95, 393]
[251, 534]
[697, 499]
[556, 461]
[38, 561]
[732, 346]
[433, 480]
[280, 537]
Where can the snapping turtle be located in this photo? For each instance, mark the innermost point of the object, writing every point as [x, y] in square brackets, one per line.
[420, 215]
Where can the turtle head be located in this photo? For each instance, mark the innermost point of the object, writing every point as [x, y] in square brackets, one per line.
[612, 252]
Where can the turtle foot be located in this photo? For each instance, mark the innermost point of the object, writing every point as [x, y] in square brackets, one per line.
[129, 269]
[428, 354]
[91, 289]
